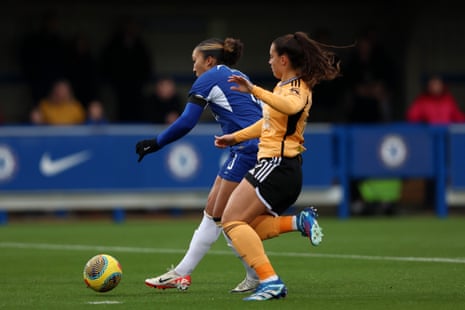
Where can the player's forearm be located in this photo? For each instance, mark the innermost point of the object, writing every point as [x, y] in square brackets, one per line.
[288, 105]
[182, 126]
[251, 132]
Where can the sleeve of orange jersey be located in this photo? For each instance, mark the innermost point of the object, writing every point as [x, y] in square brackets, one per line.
[251, 132]
[288, 104]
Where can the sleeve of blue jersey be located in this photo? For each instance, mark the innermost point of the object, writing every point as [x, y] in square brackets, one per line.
[182, 126]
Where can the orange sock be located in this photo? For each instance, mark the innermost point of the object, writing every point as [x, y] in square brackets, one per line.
[265, 271]
[249, 246]
[285, 224]
[268, 226]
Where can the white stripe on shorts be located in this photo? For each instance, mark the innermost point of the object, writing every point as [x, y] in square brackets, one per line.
[266, 168]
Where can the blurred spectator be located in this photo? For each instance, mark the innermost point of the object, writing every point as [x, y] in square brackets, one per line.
[369, 76]
[96, 113]
[435, 105]
[163, 105]
[127, 65]
[82, 70]
[43, 56]
[59, 107]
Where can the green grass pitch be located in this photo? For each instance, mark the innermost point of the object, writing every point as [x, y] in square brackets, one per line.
[363, 263]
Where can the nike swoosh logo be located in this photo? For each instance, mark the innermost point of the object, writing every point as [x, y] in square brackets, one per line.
[161, 280]
[50, 167]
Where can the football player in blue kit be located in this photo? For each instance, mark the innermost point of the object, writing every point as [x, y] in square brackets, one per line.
[213, 60]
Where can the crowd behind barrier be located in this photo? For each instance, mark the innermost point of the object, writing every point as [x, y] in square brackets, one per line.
[50, 168]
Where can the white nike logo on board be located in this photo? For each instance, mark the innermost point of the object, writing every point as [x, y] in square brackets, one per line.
[50, 167]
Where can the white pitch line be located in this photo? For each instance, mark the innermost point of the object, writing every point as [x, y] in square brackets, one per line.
[104, 302]
[79, 247]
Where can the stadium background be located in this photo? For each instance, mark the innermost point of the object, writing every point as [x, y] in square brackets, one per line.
[421, 37]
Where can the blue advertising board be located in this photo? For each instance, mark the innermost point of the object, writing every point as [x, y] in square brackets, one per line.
[102, 159]
[80, 158]
[457, 156]
[391, 151]
[320, 161]
[86, 158]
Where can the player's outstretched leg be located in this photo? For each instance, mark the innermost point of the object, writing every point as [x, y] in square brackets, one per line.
[179, 277]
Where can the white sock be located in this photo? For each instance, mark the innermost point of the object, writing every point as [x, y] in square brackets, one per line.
[250, 272]
[204, 236]
[294, 223]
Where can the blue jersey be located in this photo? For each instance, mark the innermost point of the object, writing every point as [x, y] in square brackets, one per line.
[232, 109]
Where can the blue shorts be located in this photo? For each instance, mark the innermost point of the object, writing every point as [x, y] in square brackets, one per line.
[237, 165]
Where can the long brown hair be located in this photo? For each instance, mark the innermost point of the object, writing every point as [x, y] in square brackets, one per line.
[313, 60]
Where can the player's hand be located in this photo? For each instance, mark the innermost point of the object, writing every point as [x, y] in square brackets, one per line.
[224, 141]
[145, 147]
[243, 85]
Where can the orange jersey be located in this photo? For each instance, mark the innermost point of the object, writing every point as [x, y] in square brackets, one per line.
[63, 113]
[285, 114]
